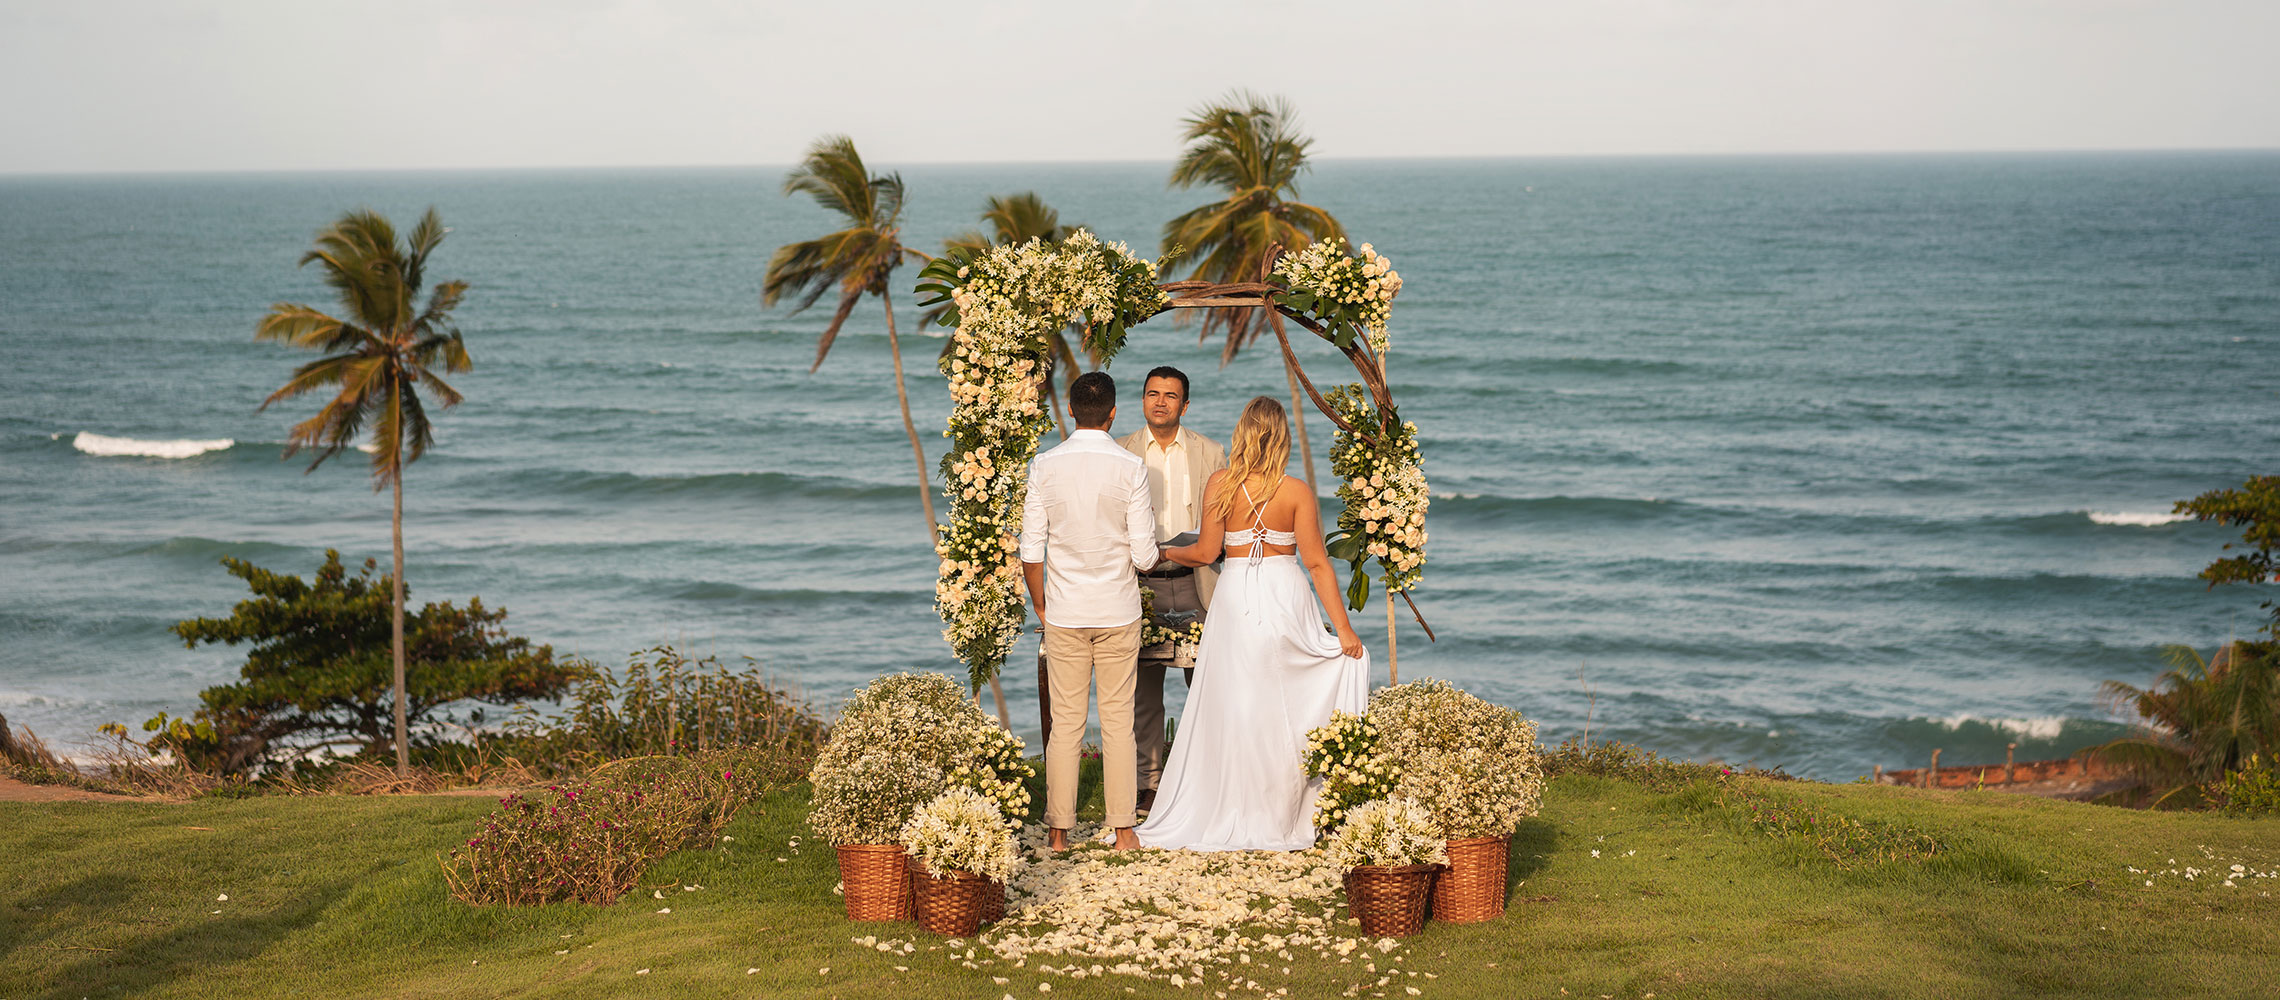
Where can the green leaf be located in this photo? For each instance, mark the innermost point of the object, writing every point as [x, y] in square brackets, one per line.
[1345, 337]
[1344, 547]
[1358, 590]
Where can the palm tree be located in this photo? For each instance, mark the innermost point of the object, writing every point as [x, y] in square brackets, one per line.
[375, 363]
[1250, 147]
[856, 260]
[1013, 220]
[2202, 717]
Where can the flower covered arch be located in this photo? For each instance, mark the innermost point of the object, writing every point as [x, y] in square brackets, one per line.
[1006, 302]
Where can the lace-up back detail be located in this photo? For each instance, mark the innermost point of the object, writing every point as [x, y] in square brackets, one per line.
[1258, 532]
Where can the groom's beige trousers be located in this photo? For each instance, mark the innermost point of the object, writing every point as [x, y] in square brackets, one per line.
[1076, 659]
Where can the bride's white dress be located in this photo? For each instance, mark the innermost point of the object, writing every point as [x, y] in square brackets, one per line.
[1266, 673]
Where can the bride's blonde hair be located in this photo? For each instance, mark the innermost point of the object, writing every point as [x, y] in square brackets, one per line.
[1260, 448]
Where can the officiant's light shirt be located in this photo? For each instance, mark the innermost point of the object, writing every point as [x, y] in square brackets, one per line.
[1088, 519]
[1168, 489]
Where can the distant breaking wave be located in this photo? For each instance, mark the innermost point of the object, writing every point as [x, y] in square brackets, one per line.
[2135, 519]
[108, 447]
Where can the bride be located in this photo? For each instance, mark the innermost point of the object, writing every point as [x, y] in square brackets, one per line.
[1267, 671]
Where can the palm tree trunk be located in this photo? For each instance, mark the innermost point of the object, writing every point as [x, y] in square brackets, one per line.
[396, 629]
[1298, 414]
[918, 453]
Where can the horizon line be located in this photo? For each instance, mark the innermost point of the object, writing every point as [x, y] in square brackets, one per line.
[1479, 157]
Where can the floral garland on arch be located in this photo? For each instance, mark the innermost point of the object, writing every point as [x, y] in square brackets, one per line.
[1004, 303]
[1347, 300]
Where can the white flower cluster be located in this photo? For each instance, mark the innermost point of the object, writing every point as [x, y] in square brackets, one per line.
[1338, 288]
[962, 831]
[1474, 765]
[1344, 754]
[1008, 300]
[1387, 833]
[994, 767]
[897, 743]
[1155, 632]
[1383, 486]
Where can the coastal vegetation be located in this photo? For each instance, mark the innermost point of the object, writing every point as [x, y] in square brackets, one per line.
[2210, 731]
[316, 672]
[375, 364]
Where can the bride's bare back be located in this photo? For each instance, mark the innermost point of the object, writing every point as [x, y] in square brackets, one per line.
[1278, 514]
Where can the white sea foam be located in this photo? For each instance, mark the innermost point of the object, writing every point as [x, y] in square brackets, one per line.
[2134, 518]
[98, 444]
[2044, 728]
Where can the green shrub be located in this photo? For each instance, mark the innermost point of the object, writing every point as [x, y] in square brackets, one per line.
[665, 704]
[589, 841]
[2253, 790]
[318, 672]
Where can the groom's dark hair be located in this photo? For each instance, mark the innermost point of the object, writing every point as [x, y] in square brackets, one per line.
[1092, 399]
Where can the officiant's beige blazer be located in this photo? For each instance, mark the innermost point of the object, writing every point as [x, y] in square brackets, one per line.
[1204, 457]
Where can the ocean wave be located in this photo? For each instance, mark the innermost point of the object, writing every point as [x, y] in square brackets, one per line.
[2134, 519]
[2047, 727]
[111, 447]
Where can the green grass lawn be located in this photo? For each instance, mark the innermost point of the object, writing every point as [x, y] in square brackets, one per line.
[1686, 897]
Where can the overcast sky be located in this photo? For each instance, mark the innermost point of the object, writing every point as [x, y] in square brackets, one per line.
[116, 85]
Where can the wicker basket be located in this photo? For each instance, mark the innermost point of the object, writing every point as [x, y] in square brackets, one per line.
[873, 878]
[993, 902]
[1472, 889]
[956, 905]
[1389, 901]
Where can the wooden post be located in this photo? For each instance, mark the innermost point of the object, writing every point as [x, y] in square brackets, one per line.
[1932, 773]
[1392, 650]
[2009, 765]
[1878, 777]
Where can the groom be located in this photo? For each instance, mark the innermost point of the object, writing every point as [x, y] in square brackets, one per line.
[1086, 528]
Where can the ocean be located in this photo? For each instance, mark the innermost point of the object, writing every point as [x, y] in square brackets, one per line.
[1811, 462]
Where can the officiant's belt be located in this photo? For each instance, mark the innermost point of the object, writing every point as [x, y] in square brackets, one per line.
[1169, 574]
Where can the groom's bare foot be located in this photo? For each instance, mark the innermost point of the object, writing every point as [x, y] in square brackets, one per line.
[1056, 839]
[1126, 840]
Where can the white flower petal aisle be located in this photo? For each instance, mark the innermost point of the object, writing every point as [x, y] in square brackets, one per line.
[1231, 921]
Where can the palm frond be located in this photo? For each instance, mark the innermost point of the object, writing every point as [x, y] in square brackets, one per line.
[303, 326]
[847, 300]
[425, 237]
[312, 376]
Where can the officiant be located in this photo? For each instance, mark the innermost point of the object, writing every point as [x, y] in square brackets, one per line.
[1179, 462]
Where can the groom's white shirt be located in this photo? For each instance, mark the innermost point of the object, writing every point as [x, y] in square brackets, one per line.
[1087, 518]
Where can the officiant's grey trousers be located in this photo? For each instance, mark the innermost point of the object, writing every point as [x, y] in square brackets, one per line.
[1176, 594]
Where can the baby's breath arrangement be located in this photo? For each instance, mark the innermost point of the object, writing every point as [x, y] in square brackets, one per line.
[898, 742]
[962, 831]
[1344, 754]
[1387, 833]
[1004, 302]
[1474, 765]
